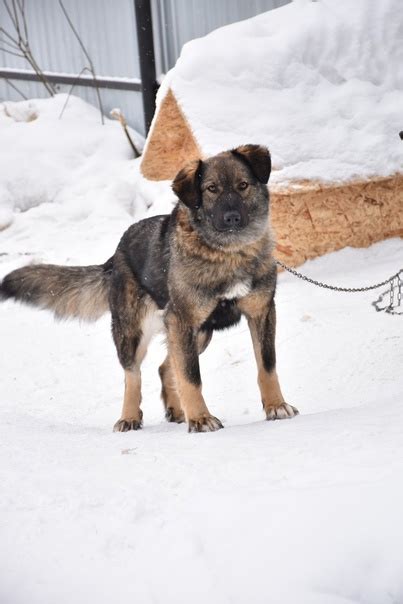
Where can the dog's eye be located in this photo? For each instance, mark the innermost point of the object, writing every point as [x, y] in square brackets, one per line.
[212, 188]
[243, 185]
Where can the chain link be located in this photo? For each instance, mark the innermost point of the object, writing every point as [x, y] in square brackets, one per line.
[391, 282]
[391, 308]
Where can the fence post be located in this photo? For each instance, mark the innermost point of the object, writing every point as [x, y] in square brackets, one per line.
[145, 42]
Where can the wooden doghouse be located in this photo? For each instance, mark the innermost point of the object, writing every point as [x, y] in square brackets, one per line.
[309, 218]
[328, 111]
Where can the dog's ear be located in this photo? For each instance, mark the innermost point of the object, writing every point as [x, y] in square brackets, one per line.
[257, 158]
[186, 184]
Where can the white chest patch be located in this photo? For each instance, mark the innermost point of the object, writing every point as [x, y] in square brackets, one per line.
[152, 324]
[238, 290]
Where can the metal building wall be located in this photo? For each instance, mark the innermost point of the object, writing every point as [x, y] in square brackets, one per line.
[108, 30]
[178, 21]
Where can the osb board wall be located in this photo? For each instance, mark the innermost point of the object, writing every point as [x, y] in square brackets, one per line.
[319, 219]
[309, 221]
[170, 143]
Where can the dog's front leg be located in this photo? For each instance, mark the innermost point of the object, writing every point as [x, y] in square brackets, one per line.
[262, 324]
[184, 356]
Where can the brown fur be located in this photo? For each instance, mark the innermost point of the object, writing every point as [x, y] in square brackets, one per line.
[232, 257]
[169, 391]
[131, 413]
[256, 311]
[169, 394]
[198, 269]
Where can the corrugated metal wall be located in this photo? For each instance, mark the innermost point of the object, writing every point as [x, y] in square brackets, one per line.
[178, 21]
[108, 30]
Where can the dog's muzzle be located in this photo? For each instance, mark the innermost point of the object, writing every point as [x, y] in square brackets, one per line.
[230, 214]
[232, 220]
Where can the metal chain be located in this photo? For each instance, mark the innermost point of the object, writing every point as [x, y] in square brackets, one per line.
[390, 308]
[335, 287]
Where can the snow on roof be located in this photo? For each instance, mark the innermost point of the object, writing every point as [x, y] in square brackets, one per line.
[320, 83]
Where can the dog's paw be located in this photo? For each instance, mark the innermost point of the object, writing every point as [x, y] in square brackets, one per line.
[206, 423]
[283, 411]
[172, 415]
[124, 425]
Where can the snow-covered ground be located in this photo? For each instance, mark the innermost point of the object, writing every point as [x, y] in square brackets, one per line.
[69, 171]
[304, 511]
[307, 510]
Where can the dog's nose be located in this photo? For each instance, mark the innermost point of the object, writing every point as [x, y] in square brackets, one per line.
[232, 219]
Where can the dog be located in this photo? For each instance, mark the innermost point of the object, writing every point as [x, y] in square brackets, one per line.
[191, 272]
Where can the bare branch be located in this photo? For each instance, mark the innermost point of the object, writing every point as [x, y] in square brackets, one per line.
[10, 52]
[9, 36]
[11, 44]
[49, 87]
[15, 88]
[21, 6]
[118, 115]
[17, 19]
[91, 64]
[74, 84]
[16, 12]
[77, 35]
[10, 14]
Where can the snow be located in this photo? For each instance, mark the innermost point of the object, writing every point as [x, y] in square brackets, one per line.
[320, 83]
[305, 510]
[64, 181]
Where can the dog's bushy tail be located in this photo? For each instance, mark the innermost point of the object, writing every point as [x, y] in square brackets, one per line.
[80, 292]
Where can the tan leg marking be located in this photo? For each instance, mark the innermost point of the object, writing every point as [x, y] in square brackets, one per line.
[131, 418]
[272, 398]
[253, 305]
[196, 412]
[203, 340]
[192, 402]
[169, 395]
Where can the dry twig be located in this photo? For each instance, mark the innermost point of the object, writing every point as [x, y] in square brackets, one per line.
[17, 43]
[118, 115]
[91, 67]
[10, 83]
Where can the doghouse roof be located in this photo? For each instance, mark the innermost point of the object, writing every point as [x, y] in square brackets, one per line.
[320, 83]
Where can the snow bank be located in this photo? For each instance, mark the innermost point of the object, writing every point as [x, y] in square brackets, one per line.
[320, 83]
[72, 174]
[306, 511]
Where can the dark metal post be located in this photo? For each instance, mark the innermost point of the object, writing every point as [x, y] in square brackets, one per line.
[147, 59]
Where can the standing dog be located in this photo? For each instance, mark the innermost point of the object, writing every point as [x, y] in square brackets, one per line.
[193, 271]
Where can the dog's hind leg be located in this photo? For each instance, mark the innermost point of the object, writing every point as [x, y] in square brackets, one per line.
[132, 415]
[169, 394]
[131, 350]
[132, 333]
[132, 312]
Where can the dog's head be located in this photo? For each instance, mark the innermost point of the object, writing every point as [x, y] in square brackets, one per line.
[226, 195]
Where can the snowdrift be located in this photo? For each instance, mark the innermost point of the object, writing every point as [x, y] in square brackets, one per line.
[66, 181]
